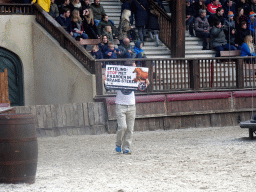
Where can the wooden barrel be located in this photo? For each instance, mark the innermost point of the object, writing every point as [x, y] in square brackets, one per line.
[18, 148]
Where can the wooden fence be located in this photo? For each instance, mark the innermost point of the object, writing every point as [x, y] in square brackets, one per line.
[4, 93]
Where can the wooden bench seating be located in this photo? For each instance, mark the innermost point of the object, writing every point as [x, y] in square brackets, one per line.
[233, 53]
[96, 41]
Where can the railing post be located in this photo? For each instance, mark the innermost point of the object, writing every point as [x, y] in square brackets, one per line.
[98, 74]
[149, 65]
[239, 74]
[194, 74]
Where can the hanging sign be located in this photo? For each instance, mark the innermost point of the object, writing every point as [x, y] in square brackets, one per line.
[125, 77]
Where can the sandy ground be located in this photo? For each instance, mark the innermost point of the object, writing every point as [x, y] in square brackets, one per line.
[202, 159]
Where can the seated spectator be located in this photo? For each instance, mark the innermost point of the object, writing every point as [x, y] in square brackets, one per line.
[124, 26]
[65, 21]
[85, 4]
[64, 5]
[77, 25]
[253, 6]
[153, 25]
[244, 5]
[240, 18]
[96, 53]
[75, 5]
[104, 22]
[242, 33]
[126, 49]
[97, 10]
[190, 17]
[229, 22]
[202, 27]
[108, 31]
[89, 25]
[252, 23]
[231, 37]
[247, 48]
[139, 52]
[211, 8]
[218, 39]
[229, 6]
[103, 45]
[218, 16]
[111, 52]
[54, 11]
[199, 5]
[45, 4]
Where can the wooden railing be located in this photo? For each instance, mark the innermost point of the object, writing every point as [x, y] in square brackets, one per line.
[164, 23]
[4, 93]
[193, 75]
[22, 9]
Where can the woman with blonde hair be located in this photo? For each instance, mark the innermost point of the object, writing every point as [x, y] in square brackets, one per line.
[125, 25]
[247, 48]
[77, 25]
[88, 24]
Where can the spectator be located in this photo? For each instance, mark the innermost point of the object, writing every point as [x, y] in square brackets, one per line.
[253, 6]
[96, 53]
[218, 39]
[202, 27]
[242, 33]
[64, 5]
[229, 22]
[77, 25]
[126, 49]
[54, 11]
[229, 6]
[218, 16]
[243, 4]
[140, 8]
[139, 52]
[97, 10]
[104, 22]
[240, 18]
[199, 5]
[88, 24]
[85, 4]
[124, 26]
[75, 5]
[126, 4]
[45, 4]
[252, 23]
[247, 48]
[103, 45]
[211, 8]
[153, 25]
[108, 31]
[190, 17]
[111, 52]
[231, 37]
[65, 21]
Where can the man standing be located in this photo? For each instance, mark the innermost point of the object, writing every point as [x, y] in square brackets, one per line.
[202, 27]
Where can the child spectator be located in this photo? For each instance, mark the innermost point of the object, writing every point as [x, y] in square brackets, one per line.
[231, 37]
[96, 53]
[88, 24]
[77, 25]
[247, 48]
[104, 22]
[111, 52]
[108, 31]
[229, 22]
[242, 33]
[54, 11]
[139, 52]
[103, 45]
[252, 23]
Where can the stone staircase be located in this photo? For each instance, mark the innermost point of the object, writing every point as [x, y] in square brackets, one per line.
[193, 45]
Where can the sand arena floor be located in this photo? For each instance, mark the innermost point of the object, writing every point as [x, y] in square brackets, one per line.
[198, 159]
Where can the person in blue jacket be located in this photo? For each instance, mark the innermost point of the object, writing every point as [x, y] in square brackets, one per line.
[247, 48]
[111, 52]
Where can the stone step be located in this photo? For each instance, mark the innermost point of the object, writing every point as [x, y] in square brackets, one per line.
[112, 10]
[192, 39]
[159, 56]
[192, 43]
[156, 52]
[189, 52]
[193, 47]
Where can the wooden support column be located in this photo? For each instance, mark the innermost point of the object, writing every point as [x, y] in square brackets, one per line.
[239, 74]
[178, 28]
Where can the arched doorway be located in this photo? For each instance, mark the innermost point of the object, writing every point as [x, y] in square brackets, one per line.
[13, 64]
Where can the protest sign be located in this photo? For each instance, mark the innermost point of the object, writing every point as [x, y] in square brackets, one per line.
[125, 77]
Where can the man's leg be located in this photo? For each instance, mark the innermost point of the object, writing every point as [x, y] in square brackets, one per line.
[121, 123]
[218, 50]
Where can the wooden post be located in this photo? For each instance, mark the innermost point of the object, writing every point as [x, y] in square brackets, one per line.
[98, 73]
[194, 74]
[149, 64]
[178, 28]
[239, 74]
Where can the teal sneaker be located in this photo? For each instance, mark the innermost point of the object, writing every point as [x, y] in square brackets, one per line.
[127, 152]
[118, 149]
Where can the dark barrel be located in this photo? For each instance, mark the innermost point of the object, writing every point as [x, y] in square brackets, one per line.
[18, 148]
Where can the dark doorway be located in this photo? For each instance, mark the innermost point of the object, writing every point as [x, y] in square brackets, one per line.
[13, 64]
